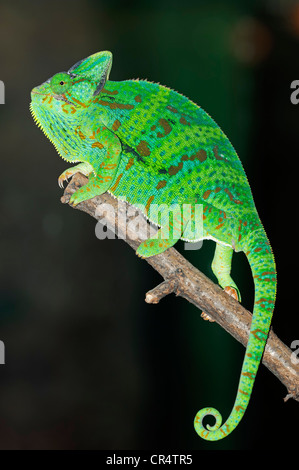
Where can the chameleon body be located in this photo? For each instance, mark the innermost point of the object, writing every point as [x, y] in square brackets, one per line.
[148, 144]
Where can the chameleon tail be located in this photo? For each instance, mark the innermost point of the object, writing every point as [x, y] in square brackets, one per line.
[259, 254]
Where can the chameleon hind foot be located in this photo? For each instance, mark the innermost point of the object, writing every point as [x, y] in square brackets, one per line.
[232, 292]
[221, 267]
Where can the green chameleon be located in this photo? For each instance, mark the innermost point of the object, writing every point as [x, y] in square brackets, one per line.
[149, 145]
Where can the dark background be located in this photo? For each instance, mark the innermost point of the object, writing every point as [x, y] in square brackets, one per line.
[89, 365]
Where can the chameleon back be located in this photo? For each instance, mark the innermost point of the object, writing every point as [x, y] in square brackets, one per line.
[175, 153]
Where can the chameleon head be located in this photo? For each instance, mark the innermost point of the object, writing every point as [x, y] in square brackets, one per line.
[67, 92]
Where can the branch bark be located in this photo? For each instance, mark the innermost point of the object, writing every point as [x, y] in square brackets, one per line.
[183, 279]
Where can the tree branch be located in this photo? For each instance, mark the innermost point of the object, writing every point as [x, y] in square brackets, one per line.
[182, 278]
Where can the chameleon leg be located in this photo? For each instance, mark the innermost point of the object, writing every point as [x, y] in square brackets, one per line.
[104, 152]
[157, 244]
[221, 267]
[84, 168]
[166, 236]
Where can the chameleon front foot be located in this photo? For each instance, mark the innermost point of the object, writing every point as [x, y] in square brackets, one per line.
[84, 168]
[95, 187]
[206, 317]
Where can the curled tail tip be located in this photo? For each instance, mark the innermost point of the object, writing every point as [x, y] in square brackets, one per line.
[209, 433]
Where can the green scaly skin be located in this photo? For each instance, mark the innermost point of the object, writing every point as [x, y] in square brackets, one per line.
[148, 144]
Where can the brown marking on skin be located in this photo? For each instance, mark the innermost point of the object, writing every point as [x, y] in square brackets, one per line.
[256, 335]
[150, 200]
[116, 105]
[143, 149]
[184, 122]
[97, 144]
[79, 102]
[201, 155]
[79, 80]
[206, 194]
[184, 158]
[239, 408]
[138, 99]
[251, 375]
[161, 184]
[108, 92]
[81, 135]
[265, 300]
[166, 126]
[116, 183]
[173, 170]
[231, 197]
[219, 226]
[116, 125]
[130, 163]
[108, 166]
[92, 136]
[242, 391]
[72, 109]
[216, 154]
[172, 109]
[153, 127]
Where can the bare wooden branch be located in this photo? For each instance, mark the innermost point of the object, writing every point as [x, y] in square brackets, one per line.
[167, 287]
[188, 282]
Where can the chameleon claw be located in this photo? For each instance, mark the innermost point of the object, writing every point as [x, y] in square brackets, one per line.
[232, 292]
[206, 317]
[61, 181]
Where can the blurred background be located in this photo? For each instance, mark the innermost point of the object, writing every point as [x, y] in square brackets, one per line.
[89, 365]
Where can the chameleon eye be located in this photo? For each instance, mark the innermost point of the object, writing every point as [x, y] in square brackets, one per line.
[60, 83]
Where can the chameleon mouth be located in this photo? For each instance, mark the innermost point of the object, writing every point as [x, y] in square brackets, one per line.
[57, 97]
